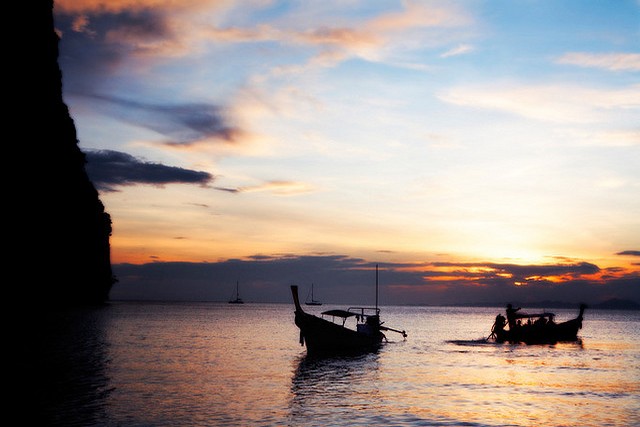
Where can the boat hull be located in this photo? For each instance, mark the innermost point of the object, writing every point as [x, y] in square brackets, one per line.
[324, 337]
[542, 332]
[321, 336]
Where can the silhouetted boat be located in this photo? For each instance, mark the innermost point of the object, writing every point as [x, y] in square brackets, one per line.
[237, 299]
[312, 301]
[539, 328]
[322, 336]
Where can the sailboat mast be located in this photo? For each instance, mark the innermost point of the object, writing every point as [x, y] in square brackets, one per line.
[376, 288]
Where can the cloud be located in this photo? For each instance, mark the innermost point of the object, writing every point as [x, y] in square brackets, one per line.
[553, 103]
[109, 169]
[632, 253]
[342, 279]
[370, 32]
[458, 50]
[183, 124]
[117, 6]
[99, 35]
[416, 14]
[606, 61]
[282, 188]
[610, 138]
[98, 45]
[521, 274]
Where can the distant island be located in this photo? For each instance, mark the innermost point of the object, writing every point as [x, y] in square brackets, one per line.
[618, 304]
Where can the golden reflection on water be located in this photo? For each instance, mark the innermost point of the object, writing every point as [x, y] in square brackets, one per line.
[511, 390]
[203, 365]
[472, 381]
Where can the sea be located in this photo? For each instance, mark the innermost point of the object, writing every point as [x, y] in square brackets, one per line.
[218, 364]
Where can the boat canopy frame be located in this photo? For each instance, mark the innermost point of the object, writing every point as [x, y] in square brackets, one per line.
[360, 313]
[534, 315]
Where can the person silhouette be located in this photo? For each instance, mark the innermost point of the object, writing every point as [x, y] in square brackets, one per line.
[498, 326]
[511, 315]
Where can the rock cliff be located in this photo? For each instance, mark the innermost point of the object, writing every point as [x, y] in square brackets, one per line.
[66, 231]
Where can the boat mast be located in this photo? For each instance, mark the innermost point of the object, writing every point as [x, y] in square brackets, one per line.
[376, 288]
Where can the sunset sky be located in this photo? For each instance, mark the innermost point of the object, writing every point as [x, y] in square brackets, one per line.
[477, 150]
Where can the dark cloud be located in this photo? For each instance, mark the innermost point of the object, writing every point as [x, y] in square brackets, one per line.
[261, 278]
[96, 48]
[526, 272]
[109, 169]
[229, 190]
[632, 253]
[91, 58]
[344, 280]
[182, 124]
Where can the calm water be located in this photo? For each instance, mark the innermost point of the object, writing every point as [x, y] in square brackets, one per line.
[211, 364]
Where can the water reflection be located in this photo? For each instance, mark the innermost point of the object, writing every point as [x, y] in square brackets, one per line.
[324, 386]
[211, 364]
[67, 366]
[484, 342]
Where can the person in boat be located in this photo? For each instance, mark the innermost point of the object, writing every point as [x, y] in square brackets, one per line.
[501, 322]
[371, 326]
[498, 325]
[511, 315]
[541, 321]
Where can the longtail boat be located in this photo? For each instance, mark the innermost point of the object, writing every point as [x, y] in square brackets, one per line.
[538, 328]
[323, 336]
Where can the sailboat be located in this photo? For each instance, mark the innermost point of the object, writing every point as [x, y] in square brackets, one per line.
[237, 299]
[312, 301]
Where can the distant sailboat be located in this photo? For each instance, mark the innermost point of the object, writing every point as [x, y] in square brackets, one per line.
[312, 301]
[237, 299]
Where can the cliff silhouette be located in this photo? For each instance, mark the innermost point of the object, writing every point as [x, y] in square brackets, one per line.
[66, 235]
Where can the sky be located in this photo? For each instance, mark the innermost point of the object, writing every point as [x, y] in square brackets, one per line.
[476, 150]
